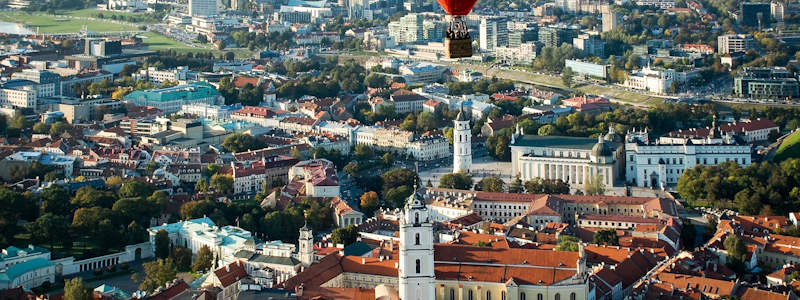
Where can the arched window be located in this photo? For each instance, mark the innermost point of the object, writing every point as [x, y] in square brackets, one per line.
[416, 218]
[572, 296]
[539, 297]
[522, 296]
[452, 294]
[488, 295]
[419, 267]
[469, 295]
[503, 295]
[558, 296]
[416, 238]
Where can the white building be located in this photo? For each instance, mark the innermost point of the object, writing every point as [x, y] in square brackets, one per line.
[65, 164]
[658, 81]
[422, 72]
[404, 101]
[154, 75]
[659, 164]
[319, 177]
[28, 274]
[344, 215]
[126, 5]
[731, 43]
[318, 10]
[662, 4]
[526, 53]
[19, 97]
[462, 143]
[208, 111]
[13, 255]
[493, 32]
[445, 210]
[416, 263]
[573, 160]
[224, 241]
[429, 148]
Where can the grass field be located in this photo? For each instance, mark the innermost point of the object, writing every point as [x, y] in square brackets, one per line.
[790, 148]
[158, 42]
[57, 24]
[143, 18]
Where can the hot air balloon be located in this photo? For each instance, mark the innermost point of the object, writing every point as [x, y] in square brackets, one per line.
[457, 42]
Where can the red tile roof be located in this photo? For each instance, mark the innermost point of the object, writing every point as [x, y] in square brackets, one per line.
[231, 273]
[326, 293]
[756, 294]
[171, 292]
[735, 127]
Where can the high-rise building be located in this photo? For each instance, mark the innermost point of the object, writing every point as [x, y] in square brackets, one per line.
[202, 7]
[754, 14]
[517, 37]
[777, 10]
[493, 32]
[409, 29]
[355, 8]
[555, 36]
[731, 43]
[611, 20]
[590, 44]
[462, 143]
[433, 31]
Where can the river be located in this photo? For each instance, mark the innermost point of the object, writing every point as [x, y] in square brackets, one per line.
[14, 28]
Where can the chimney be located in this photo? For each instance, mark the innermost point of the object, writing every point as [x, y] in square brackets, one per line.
[227, 268]
[363, 260]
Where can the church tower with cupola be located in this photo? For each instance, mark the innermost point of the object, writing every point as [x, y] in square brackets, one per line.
[462, 143]
[306, 245]
[416, 251]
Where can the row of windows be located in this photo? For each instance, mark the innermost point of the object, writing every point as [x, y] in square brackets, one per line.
[501, 206]
[617, 224]
[705, 161]
[522, 295]
[594, 209]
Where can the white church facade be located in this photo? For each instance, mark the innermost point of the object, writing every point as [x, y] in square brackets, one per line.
[574, 160]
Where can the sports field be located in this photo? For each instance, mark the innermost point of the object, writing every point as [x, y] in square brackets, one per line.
[60, 24]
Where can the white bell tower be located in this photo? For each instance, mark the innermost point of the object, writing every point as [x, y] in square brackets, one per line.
[416, 251]
[462, 143]
[306, 245]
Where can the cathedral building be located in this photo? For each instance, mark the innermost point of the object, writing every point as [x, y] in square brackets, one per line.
[574, 160]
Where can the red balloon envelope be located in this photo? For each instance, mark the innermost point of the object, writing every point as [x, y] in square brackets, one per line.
[457, 7]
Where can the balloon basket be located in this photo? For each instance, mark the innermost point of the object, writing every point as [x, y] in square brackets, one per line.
[458, 48]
